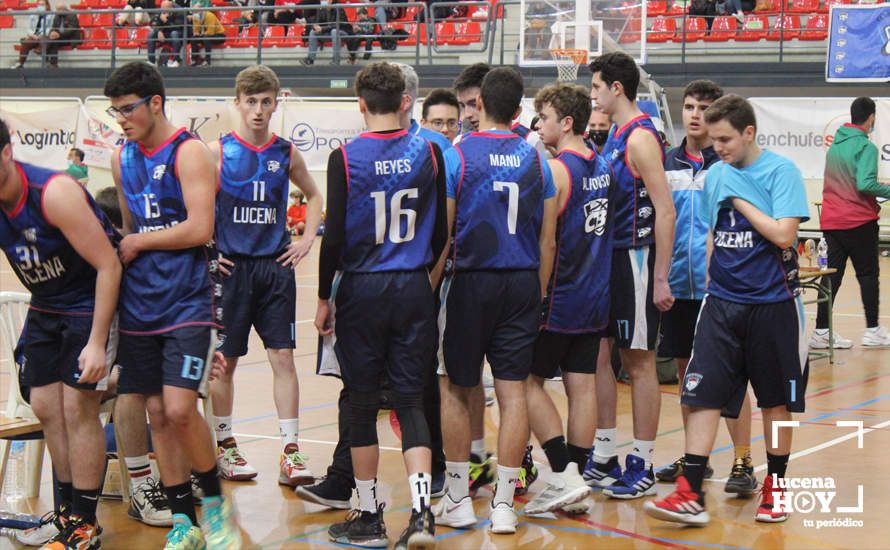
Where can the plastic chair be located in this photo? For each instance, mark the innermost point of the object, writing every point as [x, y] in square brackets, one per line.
[756, 28]
[656, 7]
[785, 28]
[696, 29]
[816, 28]
[723, 29]
[663, 30]
[803, 6]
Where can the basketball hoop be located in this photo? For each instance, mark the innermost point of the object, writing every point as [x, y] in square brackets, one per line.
[567, 63]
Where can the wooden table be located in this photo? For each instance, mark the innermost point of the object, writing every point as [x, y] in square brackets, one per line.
[10, 427]
[816, 280]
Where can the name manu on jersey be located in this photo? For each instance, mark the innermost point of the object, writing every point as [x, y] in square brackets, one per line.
[33, 270]
[508, 161]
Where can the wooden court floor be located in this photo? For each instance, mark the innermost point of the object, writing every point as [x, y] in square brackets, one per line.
[856, 388]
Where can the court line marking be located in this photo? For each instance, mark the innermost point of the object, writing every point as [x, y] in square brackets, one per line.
[304, 440]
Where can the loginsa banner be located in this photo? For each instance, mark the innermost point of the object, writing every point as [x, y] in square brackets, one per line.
[43, 137]
[802, 129]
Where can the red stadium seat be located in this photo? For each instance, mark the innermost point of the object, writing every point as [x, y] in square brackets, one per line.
[803, 6]
[631, 32]
[444, 33]
[816, 29]
[248, 37]
[295, 35]
[465, 33]
[104, 20]
[227, 17]
[656, 7]
[93, 4]
[7, 21]
[273, 36]
[231, 37]
[85, 20]
[696, 29]
[663, 30]
[786, 28]
[723, 29]
[97, 39]
[11, 5]
[756, 28]
[677, 9]
[828, 3]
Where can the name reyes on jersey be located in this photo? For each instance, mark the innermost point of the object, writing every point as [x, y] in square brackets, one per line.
[389, 167]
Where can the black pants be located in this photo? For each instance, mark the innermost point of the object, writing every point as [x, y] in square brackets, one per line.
[860, 245]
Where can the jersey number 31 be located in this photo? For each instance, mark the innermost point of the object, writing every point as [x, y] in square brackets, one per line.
[396, 213]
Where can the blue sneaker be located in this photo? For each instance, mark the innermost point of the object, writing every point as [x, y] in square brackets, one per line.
[637, 481]
[601, 475]
[218, 524]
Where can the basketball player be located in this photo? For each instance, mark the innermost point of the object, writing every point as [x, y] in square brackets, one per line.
[502, 206]
[256, 169]
[751, 326]
[441, 113]
[643, 240]
[59, 245]
[686, 167]
[385, 226]
[576, 306]
[166, 182]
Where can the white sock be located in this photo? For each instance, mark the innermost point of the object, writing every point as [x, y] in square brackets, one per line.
[821, 331]
[506, 485]
[223, 428]
[644, 450]
[289, 428]
[477, 447]
[457, 480]
[139, 469]
[367, 495]
[604, 444]
[420, 490]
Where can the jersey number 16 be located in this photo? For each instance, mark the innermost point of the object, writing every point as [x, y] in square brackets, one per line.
[396, 213]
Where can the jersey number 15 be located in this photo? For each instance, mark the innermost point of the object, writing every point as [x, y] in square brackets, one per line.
[396, 213]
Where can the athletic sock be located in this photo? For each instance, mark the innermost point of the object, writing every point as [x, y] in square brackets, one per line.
[605, 444]
[557, 453]
[367, 494]
[506, 486]
[66, 493]
[84, 504]
[694, 471]
[477, 447]
[139, 469]
[578, 455]
[742, 451]
[223, 428]
[209, 482]
[457, 480]
[289, 428]
[420, 490]
[644, 450]
[181, 502]
[776, 464]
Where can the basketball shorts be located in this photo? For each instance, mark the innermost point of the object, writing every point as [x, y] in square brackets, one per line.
[633, 318]
[555, 351]
[493, 315]
[737, 343]
[678, 329]
[261, 293]
[51, 345]
[181, 357]
[386, 331]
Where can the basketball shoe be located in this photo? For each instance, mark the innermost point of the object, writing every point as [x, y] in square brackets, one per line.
[218, 524]
[741, 480]
[563, 488]
[528, 472]
[420, 533]
[231, 463]
[876, 337]
[459, 515]
[637, 480]
[766, 511]
[671, 472]
[332, 491]
[77, 534]
[480, 472]
[601, 475]
[292, 467]
[503, 519]
[682, 506]
[361, 528]
[148, 504]
[184, 535]
[50, 525]
[819, 340]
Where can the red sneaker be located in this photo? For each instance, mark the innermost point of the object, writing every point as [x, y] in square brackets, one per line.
[682, 506]
[767, 511]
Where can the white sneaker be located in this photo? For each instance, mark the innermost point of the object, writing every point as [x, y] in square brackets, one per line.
[564, 488]
[459, 515]
[819, 340]
[231, 463]
[148, 504]
[16, 65]
[173, 63]
[503, 519]
[49, 527]
[876, 337]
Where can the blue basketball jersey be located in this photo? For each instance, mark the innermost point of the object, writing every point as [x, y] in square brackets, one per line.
[499, 183]
[390, 204]
[578, 293]
[162, 289]
[251, 206]
[746, 267]
[520, 130]
[634, 213]
[60, 281]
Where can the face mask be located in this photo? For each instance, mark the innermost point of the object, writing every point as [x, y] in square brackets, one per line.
[70, 163]
[599, 137]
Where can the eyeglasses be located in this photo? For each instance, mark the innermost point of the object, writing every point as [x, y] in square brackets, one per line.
[438, 124]
[127, 110]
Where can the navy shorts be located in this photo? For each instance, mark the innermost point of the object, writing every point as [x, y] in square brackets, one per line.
[493, 314]
[180, 357]
[633, 318]
[52, 344]
[678, 329]
[737, 343]
[261, 293]
[385, 328]
[555, 351]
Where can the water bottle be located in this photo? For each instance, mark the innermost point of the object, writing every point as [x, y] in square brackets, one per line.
[822, 250]
[15, 473]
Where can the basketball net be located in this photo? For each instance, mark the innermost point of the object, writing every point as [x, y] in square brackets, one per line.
[567, 63]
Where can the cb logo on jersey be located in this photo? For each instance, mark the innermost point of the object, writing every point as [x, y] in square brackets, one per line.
[30, 234]
[595, 213]
[273, 165]
[159, 171]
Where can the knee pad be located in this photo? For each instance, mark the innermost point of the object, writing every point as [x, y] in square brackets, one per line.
[363, 407]
[409, 410]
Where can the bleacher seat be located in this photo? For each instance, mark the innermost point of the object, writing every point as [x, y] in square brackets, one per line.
[829, 3]
[231, 37]
[10, 5]
[696, 29]
[803, 6]
[103, 20]
[656, 7]
[756, 28]
[723, 29]
[7, 21]
[273, 36]
[93, 4]
[96, 39]
[248, 37]
[677, 9]
[85, 20]
[228, 17]
[631, 32]
[786, 27]
[816, 28]
[663, 30]
[466, 32]
[768, 7]
[444, 33]
[295, 35]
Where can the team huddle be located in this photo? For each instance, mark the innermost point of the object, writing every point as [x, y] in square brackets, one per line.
[533, 251]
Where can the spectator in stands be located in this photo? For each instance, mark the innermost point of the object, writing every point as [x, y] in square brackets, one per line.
[322, 26]
[51, 32]
[296, 214]
[284, 13]
[733, 7]
[76, 168]
[441, 113]
[251, 17]
[703, 8]
[166, 33]
[367, 26]
[206, 32]
[598, 129]
[38, 23]
[134, 13]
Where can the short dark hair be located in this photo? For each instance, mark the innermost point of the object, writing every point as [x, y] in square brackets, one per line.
[381, 85]
[733, 108]
[4, 134]
[439, 96]
[501, 93]
[861, 109]
[138, 78]
[618, 67]
[703, 90]
[567, 100]
[79, 154]
[106, 200]
[471, 77]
